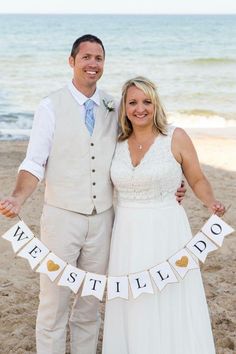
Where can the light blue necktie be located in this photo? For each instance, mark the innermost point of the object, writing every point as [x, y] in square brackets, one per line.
[89, 116]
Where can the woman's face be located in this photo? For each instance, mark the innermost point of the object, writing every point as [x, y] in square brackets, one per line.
[139, 108]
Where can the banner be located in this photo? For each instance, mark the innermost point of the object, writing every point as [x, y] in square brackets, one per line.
[172, 270]
[52, 266]
[34, 252]
[216, 229]
[182, 262]
[200, 246]
[94, 284]
[140, 283]
[72, 277]
[162, 275]
[117, 287]
[18, 235]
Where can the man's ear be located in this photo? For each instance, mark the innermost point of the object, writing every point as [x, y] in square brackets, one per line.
[71, 61]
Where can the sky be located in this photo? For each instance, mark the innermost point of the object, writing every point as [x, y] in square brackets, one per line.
[119, 6]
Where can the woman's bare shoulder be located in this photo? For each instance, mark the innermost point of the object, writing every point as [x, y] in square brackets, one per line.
[181, 136]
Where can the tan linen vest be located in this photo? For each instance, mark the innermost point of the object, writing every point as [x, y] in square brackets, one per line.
[78, 168]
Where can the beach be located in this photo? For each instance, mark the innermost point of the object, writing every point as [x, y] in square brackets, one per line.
[192, 60]
[19, 285]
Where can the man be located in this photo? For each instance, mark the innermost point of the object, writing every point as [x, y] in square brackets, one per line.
[72, 142]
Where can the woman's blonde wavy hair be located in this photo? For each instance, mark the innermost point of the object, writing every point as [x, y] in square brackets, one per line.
[149, 88]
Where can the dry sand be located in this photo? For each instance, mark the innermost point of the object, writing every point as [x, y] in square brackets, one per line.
[19, 285]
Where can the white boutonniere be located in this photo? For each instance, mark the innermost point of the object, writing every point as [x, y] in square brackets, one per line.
[110, 105]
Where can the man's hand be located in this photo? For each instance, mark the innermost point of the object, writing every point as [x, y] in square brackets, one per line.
[180, 193]
[26, 183]
[10, 207]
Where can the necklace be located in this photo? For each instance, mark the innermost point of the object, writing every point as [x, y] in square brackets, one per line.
[140, 145]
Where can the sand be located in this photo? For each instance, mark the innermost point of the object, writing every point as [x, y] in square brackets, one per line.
[19, 284]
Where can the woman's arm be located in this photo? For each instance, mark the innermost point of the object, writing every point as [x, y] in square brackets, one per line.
[185, 153]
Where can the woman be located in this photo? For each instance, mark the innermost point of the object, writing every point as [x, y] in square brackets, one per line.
[150, 226]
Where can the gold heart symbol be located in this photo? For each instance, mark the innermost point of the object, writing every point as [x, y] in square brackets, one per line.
[52, 267]
[182, 262]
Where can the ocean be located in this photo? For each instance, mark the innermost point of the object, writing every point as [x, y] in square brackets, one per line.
[191, 58]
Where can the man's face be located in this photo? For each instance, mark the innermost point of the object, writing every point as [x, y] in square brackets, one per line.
[88, 64]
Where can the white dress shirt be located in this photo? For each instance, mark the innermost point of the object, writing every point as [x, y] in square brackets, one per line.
[42, 132]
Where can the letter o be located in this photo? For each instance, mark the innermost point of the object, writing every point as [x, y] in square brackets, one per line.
[214, 229]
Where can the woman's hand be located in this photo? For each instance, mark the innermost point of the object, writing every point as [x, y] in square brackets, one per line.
[217, 208]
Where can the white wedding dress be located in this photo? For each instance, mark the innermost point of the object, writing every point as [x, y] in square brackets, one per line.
[149, 227]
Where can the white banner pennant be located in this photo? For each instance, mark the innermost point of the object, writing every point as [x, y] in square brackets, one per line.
[162, 275]
[140, 283]
[94, 284]
[117, 287]
[72, 277]
[26, 245]
[19, 235]
[182, 262]
[216, 229]
[52, 266]
[200, 246]
[34, 252]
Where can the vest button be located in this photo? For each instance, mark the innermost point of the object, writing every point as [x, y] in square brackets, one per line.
[94, 197]
[93, 157]
[93, 170]
[94, 183]
[92, 144]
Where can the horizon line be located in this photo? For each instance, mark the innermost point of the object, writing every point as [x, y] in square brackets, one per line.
[120, 14]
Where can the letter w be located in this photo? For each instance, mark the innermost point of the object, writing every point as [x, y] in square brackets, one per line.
[20, 234]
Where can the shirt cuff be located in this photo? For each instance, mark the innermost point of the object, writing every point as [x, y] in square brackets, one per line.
[34, 168]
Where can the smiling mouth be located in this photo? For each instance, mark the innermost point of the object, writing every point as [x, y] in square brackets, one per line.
[90, 72]
[141, 116]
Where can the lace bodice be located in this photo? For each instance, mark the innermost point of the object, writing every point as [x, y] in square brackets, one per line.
[156, 178]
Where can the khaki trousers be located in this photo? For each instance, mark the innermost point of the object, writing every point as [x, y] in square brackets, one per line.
[82, 241]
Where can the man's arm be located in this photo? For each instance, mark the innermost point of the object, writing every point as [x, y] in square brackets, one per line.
[26, 183]
[33, 167]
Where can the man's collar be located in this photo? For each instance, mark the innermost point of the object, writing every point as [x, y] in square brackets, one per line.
[81, 98]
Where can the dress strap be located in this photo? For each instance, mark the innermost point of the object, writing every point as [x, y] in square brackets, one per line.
[170, 130]
[168, 138]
